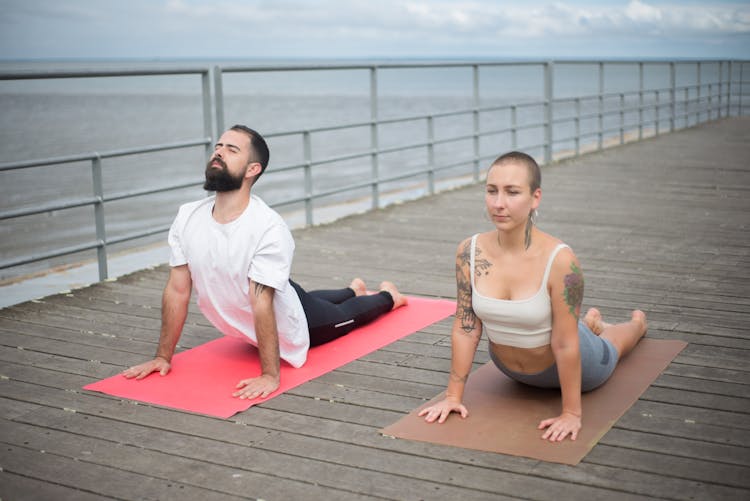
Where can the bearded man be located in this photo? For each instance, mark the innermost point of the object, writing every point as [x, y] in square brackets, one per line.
[236, 252]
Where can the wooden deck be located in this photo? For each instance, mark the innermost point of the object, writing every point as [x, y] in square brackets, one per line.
[661, 225]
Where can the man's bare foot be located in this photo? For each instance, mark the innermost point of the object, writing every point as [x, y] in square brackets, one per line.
[639, 317]
[358, 286]
[593, 320]
[398, 299]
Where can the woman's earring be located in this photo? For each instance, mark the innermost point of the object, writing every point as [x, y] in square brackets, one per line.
[529, 226]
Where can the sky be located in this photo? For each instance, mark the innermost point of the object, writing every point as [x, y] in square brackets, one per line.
[380, 29]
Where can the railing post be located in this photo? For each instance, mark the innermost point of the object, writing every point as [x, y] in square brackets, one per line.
[640, 101]
[698, 94]
[710, 101]
[728, 111]
[475, 114]
[672, 95]
[307, 151]
[374, 156]
[431, 155]
[600, 135]
[219, 99]
[513, 127]
[101, 234]
[206, 93]
[729, 88]
[686, 105]
[578, 126]
[548, 111]
[657, 106]
[721, 88]
[622, 118]
[742, 85]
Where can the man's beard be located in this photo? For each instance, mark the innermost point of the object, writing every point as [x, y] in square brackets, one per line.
[220, 179]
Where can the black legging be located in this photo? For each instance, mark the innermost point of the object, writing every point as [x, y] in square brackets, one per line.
[334, 313]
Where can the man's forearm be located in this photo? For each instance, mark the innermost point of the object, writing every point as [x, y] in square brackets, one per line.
[174, 310]
[268, 341]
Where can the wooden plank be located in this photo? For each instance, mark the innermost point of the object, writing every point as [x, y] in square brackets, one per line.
[696, 448]
[31, 489]
[659, 225]
[672, 420]
[95, 479]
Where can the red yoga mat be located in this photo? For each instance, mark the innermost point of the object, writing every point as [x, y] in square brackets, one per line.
[203, 378]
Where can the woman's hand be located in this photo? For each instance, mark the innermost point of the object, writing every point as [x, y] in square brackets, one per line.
[560, 427]
[441, 410]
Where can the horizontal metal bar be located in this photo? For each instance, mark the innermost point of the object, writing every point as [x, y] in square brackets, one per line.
[70, 204]
[455, 64]
[341, 158]
[63, 251]
[83, 157]
[139, 193]
[200, 70]
[157, 147]
[408, 118]
[368, 66]
[150, 71]
[125, 72]
[365, 184]
[136, 235]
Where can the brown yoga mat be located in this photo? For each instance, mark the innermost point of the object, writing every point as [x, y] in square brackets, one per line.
[504, 415]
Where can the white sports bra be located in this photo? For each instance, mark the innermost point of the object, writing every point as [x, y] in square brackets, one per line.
[523, 323]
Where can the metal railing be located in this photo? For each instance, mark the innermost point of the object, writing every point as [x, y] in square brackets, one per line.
[637, 112]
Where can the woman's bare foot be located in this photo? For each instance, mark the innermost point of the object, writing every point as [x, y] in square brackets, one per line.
[625, 336]
[593, 320]
[398, 299]
[358, 286]
[638, 317]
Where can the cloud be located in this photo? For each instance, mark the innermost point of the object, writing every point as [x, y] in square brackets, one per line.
[641, 12]
[472, 20]
[364, 28]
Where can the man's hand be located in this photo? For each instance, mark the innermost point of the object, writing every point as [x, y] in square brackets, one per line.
[141, 371]
[255, 387]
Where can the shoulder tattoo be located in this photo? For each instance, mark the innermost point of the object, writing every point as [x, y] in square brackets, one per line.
[481, 265]
[573, 291]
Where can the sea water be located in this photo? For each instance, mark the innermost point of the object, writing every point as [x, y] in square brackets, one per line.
[59, 117]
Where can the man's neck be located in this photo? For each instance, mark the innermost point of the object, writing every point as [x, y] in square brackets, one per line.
[229, 205]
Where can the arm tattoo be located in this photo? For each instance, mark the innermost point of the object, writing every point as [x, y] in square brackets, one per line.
[573, 292]
[464, 309]
[465, 256]
[480, 264]
[465, 312]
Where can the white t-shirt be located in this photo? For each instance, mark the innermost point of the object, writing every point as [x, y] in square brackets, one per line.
[221, 257]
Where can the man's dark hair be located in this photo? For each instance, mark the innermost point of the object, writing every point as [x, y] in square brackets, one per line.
[258, 146]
